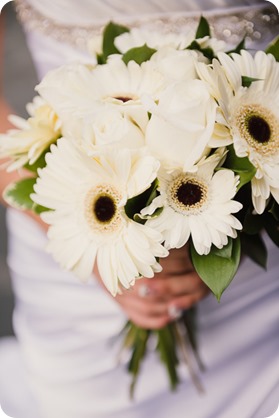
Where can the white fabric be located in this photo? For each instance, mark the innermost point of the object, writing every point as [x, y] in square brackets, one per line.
[67, 330]
[86, 12]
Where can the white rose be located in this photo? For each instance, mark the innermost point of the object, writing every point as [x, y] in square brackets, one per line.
[181, 124]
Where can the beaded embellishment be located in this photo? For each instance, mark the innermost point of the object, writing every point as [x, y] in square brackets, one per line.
[257, 24]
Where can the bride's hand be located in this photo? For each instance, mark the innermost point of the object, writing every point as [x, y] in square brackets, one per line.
[153, 303]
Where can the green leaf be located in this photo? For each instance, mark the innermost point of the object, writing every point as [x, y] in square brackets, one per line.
[203, 28]
[38, 209]
[225, 252]
[241, 166]
[271, 225]
[247, 81]
[100, 59]
[17, 195]
[216, 269]
[139, 54]
[140, 339]
[207, 52]
[274, 210]
[137, 203]
[254, 247]
[167, 350]
[111, 32]
[39, 163]
[238, 48]
[142, 218]
[252, 224]
[273, 48]
[189, 318]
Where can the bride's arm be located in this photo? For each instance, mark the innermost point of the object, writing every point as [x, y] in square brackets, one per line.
[5, 111]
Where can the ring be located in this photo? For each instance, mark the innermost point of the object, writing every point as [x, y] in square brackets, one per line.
[174, 312]
[143, 290]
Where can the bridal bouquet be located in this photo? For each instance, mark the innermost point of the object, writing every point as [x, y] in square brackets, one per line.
[160, 140]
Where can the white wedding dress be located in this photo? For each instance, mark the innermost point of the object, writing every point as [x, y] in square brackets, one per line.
[67, 365]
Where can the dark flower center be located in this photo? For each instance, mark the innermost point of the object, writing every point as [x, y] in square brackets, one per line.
[123, 98]
[259, 129]
[104, 208]
[189, 194]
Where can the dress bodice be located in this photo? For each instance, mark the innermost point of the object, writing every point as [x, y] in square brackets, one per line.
[57, 32]
[86, 12]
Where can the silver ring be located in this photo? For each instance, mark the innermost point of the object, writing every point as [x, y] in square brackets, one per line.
[143, 290]
[174, 312]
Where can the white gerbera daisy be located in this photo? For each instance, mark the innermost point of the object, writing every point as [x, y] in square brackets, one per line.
[81, 94]
[137, 37]
[255, 128]
[88, 220]
[251, 115]
[33, 136]
[197, 204]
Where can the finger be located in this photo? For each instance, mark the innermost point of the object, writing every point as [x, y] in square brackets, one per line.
[151, 306]
[187, 301]
[178, 262]
[144, 313]
[143, 289]
[170, 286]
[177, 265]
[149, 322]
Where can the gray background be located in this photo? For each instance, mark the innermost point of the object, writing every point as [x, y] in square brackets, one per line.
[19, 82]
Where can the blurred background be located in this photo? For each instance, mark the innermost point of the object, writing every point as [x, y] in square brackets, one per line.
[19, 82]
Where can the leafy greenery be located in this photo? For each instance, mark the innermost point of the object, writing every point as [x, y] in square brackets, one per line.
[254, 247]
[139, 54]
[137, 203]
[240, 166]
[252, 224]
[138, 341]
[178, 336]
[247, 81]
[203, 28]
[271, 222]
[238, 48]
[251, 239]
[218, 268]
[111, 31]
[207, 52]
[39, 163]
[18, 195]
[273, 48]
[273, 209]
[168, 355]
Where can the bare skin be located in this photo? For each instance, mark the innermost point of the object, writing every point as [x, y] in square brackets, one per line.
[176, 286]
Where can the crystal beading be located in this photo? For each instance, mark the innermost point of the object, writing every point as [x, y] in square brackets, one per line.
[257, 23]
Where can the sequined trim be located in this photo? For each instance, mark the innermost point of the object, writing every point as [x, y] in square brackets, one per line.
[257, 24]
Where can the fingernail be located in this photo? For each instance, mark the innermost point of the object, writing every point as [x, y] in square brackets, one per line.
[174, 312]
